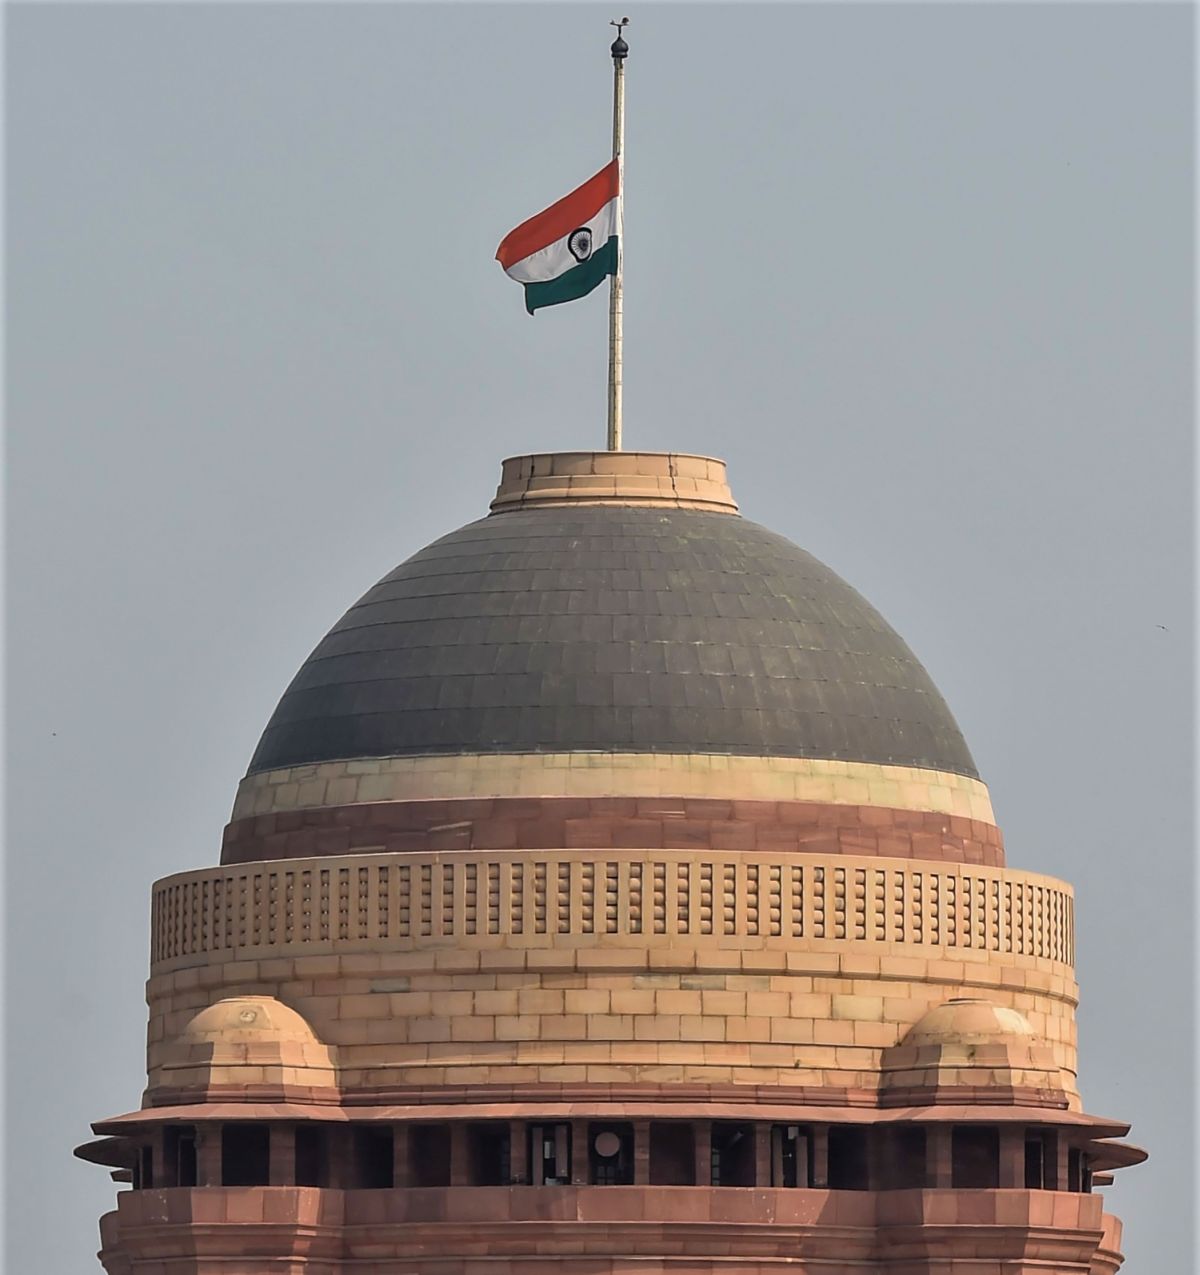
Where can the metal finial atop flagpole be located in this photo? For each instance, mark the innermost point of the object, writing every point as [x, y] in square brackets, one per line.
[620, 50]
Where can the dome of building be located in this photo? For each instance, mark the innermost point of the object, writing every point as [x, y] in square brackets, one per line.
[610, 853]
[242, 1040]
[967, 1020]
[242, 1020]
[971, 1044]
[613, 617]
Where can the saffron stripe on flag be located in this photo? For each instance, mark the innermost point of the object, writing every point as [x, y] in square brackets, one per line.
[575, 209]
[560, 256]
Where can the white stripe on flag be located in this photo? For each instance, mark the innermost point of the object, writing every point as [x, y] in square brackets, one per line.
[556, 258]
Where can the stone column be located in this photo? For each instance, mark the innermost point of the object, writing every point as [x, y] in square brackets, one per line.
[940, 1152]
[641, 1153]
[702, 1132]
[282, 1153]
[820, 1157]
[518, 1169]
[460, 1154]
[341, 1176]
[802, 1172]
[777, 1137]
[165, 1173]
[1062, 1152]
[761, 1134]
[208, 1154]
[579, 1153]
[1012, 1157]
[401, 1162]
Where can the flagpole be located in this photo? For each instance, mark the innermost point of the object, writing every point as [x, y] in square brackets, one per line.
[620, 51]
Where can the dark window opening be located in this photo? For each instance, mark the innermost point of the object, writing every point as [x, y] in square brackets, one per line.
[549, 1154]
[672, 1155]
[1053, 1175]
[610, 1154]
[909, 1158]
[903, 1158]
[312, 1155]
[488, 1147]
[732, 1154]
[1039, 1161]
[179, 1155]
[1074, 1169]
[429, 1155]
[140, 1172]
[791, 1155]
[848, 1159]
[245, 1155]
[975, 1157]
[374, 1157]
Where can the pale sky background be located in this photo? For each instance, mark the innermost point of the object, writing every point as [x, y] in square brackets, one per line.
[922, 275]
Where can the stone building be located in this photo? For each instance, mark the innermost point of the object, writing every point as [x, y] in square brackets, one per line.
[611, 888]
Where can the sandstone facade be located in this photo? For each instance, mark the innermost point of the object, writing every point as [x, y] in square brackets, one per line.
[614, 1006]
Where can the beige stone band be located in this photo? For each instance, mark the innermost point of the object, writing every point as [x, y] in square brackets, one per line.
[667, 479]
[710, 775]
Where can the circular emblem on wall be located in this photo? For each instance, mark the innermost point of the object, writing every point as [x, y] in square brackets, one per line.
[607, 1144]
[579, 243]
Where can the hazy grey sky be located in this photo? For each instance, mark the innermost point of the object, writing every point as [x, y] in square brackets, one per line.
[922, 275]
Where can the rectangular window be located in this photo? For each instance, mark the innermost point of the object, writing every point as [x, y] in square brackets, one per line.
[245, 1155]
[1052, 1139]
[791, 1155]
[312, 1155]
[549, 1154]
[672, 1154]
[975, 1157]
[610, 1154]
[1037, 1160]
[179, 1155]
[907, 1160]
[732, 1154]
[429, 1155]
[848, 1158]
[488, 1147]
[374, 1167]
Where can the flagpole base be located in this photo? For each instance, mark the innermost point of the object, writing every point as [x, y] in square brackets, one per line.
[664, 479]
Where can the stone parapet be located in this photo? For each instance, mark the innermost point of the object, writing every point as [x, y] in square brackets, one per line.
[608, 900]
[602, 1230]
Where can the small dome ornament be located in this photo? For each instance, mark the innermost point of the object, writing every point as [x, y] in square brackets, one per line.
[619, 50]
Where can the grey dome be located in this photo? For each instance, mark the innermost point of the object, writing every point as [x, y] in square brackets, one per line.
[598, 628]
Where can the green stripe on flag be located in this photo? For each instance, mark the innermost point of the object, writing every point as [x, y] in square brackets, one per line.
[576, 282]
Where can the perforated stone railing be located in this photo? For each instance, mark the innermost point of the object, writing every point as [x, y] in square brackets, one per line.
[541, 899]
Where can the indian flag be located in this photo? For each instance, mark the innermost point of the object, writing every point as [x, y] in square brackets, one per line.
[566, 251]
